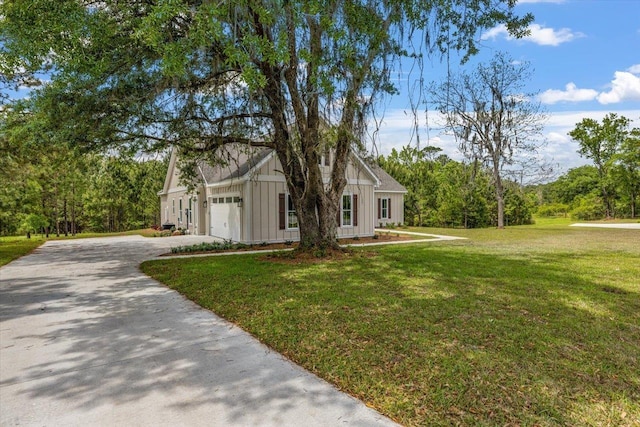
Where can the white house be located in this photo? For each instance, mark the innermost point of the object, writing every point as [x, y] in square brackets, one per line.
[246, 199]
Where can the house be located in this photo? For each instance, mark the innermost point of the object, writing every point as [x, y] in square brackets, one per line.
[246, 199]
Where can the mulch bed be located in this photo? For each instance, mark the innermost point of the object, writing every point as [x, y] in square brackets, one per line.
[304, 256]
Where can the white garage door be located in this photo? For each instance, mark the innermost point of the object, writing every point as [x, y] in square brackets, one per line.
[225, 217]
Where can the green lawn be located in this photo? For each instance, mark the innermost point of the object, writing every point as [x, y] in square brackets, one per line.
[13, 247]
[536, 325]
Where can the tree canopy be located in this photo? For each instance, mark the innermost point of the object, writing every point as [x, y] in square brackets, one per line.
[611, 145]
[200, 74]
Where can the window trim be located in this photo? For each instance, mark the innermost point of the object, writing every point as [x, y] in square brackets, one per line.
[343, 210]
[287, 212]
[384, 210]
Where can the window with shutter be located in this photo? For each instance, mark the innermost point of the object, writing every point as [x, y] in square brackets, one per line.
[384, 208]
[292, 217]
[347, 210]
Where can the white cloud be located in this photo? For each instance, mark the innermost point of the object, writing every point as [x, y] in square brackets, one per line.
[538, 34]
[494, 32]
[624, 87]
[396, 131]
[570, 94]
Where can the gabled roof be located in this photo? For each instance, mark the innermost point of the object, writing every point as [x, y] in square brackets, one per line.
[238, 162]
[387, 182]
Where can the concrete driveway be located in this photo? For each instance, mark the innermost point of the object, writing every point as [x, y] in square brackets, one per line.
[87, 339]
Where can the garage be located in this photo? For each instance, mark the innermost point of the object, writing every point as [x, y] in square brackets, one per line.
[225, 217]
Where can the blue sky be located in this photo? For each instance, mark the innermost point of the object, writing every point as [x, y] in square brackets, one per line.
[585, 57]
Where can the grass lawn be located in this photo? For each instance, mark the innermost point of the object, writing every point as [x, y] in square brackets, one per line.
[536, 325]
[13, 247]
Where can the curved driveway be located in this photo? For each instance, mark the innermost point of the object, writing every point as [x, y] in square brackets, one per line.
[87, 339]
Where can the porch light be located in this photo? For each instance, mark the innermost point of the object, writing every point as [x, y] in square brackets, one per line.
[240, 202]
[204, 203]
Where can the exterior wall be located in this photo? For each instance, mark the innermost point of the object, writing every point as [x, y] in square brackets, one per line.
[261, 194]
[366, 224]
[260, 204]
[264, 213]
[170, 205]
[170, 202]
[397, 208]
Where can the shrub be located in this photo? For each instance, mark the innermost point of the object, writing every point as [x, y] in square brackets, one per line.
[553, 209]
[589, 207]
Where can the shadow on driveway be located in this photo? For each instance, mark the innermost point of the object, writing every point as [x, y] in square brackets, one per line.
[86, 338]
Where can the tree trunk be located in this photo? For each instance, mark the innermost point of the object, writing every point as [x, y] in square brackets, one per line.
[55, 211]
[66, 219]
[499, 194]
[73, 210]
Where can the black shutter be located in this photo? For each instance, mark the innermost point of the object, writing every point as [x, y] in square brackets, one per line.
[355, 210]
[281, 211]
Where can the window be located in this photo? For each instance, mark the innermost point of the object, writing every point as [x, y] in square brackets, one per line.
[180, 211]
[325, 158]
[173, 206]
[347, 210]
[287, 218]
[292, 217]
[189, 212]
[384, 208]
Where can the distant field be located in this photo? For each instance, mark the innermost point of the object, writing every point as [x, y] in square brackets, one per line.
[532, 325]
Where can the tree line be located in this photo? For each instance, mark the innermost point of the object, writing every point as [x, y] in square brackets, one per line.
[443, 192]
[607, 188]
[52, 187]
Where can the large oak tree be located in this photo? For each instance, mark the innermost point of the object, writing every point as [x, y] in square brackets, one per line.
[199, 74]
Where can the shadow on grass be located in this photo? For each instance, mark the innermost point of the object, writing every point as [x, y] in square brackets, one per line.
[442, 335]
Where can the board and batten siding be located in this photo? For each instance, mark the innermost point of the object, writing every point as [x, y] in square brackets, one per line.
[366, 225]
[397, 208]
[263, 193]
[265, 215]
